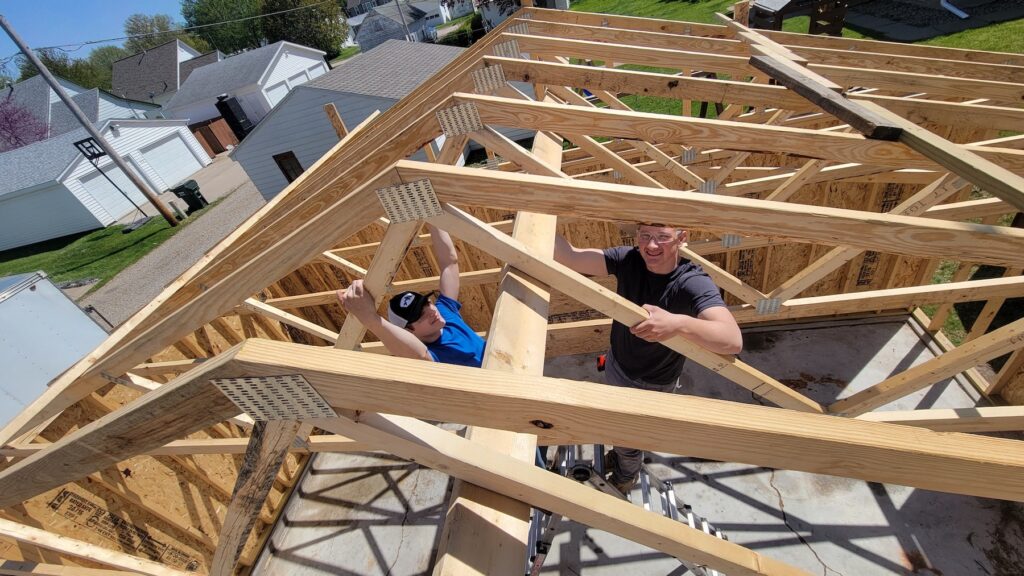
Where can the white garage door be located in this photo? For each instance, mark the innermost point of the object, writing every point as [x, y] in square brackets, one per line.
[108, 196]
[171, 159]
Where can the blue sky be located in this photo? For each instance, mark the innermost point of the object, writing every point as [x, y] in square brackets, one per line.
[56, 22]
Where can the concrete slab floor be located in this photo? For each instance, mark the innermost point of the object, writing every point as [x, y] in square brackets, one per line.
[356, 514]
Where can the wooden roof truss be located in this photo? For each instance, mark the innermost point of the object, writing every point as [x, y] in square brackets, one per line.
[806, 101]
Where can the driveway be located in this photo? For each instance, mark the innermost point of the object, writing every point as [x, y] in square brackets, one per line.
[143, 281]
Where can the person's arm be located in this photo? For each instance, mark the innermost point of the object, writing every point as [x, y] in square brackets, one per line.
[447, 259]
[400, 342]
[714, 328]
[589, 261]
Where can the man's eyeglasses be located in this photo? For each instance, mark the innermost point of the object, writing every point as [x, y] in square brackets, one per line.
[644, 238]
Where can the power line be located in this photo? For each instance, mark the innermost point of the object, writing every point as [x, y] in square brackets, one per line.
[79, 45]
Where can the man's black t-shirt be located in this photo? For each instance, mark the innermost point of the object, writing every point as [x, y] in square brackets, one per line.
[686, 290]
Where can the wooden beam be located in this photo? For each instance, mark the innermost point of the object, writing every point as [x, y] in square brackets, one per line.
[634, 38]
[78, 549]
[267, 311]
[563, 279]
[809, 85]
[339, 125]
[343, 264]
[985, 174]
[485, 532]
[967, 355]
[268, 446]
[724, 279]
[26, 568]
[474, 462]
[580, 412]
[705, 133]
[934, 84]
[320, 443]
[370, 248]
[980, 419]
[598, 200]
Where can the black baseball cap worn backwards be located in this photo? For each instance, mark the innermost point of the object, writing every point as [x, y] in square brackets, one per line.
[406, 308]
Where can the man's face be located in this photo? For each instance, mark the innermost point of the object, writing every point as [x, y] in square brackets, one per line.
[659, 247]
[429, 324]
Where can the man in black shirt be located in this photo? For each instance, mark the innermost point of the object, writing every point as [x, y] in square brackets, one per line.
[681, 300]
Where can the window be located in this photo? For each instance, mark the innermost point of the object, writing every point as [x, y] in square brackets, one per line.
[289, 165]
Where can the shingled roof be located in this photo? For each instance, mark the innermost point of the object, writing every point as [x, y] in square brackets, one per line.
[408, 64]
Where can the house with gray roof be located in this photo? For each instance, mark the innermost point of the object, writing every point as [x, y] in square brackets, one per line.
[48, 189]
[389, 22]
[154, 75]
[298, 131]
[36, 96]
[258, 79]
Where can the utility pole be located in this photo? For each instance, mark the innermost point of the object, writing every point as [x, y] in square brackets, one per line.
[408, 36]
[118, 161]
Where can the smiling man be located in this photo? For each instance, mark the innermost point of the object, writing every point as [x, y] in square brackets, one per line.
[681, 300]
[415, 326]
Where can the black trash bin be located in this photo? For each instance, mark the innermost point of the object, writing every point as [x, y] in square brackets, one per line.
[189, 192]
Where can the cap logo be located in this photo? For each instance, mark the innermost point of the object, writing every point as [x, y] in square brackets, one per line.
[406, 300]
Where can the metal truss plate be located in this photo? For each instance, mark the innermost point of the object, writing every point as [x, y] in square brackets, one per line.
[492, 163]
[731, 240]
[460, 119]
[508, 49]
[689, 155]
[287, 397]
[708, 187]
[410, 202]
[768, 305]
[519, 28]
[487, 80]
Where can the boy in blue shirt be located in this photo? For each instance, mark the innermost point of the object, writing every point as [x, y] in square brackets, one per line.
[415, 326]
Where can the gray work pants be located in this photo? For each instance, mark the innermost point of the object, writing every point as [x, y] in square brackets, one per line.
[629, 460]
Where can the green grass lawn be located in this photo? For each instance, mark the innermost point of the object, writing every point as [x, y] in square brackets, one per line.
[100, 254]
[346, 53]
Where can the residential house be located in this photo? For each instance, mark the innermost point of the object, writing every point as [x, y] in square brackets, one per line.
[40, 100]
[154, 75]
[495, 12]
[298, 132]
[389, 21]
[48, 189]
[258, 79]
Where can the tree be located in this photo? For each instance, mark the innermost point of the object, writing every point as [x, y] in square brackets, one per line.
[102, 62]
[152, 31]
[315, 24]
[227, 38]
[80, 71]
[18, 126]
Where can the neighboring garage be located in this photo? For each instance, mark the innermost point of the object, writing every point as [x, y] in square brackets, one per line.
[48, 189]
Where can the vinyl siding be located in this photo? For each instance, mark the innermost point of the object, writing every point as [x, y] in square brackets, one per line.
[48, 211]
[128, 144]
[300, 125]
[289, 62]
[110, 107]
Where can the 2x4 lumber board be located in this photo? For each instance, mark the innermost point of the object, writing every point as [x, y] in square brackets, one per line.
[895, 48]
[584, 412]
[321, 443]
[985, 174]
[336, 122]
[888, 299]
[612, 160]
[914, 64]
[26, 568]
[634, 37]
[921, 326]
[79, 549]
[561, 278]
[474, 462]
[979, 419]
[272, 313]
[393, 247]
[627, 22]
[148, 369]
[186, 405]
[958, 114]
[811, 87]
[486, 532]
[500, 144]
[967, 355]
[343, 264]
[969, 209]
[268, 446]
[1009, 371]
[903, 82]
[753, 38]
[370, 248]
[907, 235]
[705, 133]
[724, 279]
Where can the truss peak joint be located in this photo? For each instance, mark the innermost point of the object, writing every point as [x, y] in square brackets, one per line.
[768, 305]
[519, 28]
[460, 119]
[489, 79]
[287, 397]
[508, 49]
[410, 202]
[115, 379]
[708, 187]
[731, 240]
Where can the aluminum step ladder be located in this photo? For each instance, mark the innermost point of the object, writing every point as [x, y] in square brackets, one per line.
[570, 462]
